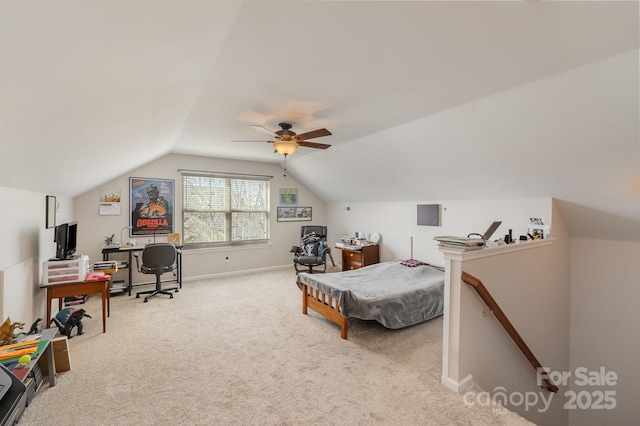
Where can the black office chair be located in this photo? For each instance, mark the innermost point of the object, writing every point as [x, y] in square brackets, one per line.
[157, 259]
[313, 249]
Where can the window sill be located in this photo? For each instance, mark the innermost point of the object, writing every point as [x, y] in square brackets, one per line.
[227, 248]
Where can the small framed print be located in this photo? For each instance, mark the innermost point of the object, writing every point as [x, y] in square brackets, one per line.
[109, 202]
[51, 212]
[429, 214]
[293, 214]
[288, 196]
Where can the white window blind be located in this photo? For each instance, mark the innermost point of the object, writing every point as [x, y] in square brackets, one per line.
[223, 210]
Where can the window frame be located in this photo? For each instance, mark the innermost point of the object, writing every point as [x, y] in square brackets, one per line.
[228, 211]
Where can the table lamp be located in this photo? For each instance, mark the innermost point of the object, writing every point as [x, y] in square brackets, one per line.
[126, 227]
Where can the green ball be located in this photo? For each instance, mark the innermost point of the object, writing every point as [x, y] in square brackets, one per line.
[24, 359]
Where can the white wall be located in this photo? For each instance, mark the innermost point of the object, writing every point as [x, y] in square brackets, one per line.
[24, 240]
[605, 313]
[92, 227]
[397, 223]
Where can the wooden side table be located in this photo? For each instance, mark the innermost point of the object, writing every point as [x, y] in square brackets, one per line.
[60, 291]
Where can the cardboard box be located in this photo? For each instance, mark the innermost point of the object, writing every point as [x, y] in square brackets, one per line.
[61, 356]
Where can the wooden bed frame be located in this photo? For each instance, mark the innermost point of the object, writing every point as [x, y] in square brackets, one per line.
[326, 306]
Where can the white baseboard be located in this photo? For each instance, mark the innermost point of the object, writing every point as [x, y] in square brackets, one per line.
[232, 273]
[458, 387]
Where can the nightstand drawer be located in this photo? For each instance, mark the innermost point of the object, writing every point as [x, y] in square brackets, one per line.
[355, 256]
[348, 265]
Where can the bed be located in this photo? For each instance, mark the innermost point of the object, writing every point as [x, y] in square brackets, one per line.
[391, 293]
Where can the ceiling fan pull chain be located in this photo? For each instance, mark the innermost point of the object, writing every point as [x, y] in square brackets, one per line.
[285, 165]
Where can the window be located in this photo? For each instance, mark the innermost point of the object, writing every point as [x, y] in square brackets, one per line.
[220, 210]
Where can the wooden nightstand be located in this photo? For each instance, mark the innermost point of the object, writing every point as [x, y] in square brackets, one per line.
[357, 259]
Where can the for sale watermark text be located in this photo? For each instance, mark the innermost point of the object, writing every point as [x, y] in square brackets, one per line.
[583, 394]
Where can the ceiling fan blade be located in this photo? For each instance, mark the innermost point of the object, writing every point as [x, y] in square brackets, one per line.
[263, 129]
[313, 134]
[314, 145]
[255, 141]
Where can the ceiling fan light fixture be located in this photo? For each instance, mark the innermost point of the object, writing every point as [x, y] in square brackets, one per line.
[285, 147]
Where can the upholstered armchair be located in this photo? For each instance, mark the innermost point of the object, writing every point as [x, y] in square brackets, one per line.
[312, 251]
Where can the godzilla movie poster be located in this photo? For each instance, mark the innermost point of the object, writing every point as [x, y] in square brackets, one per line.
[151, 206]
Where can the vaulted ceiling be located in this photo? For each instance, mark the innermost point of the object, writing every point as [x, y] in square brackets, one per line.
[425, 100]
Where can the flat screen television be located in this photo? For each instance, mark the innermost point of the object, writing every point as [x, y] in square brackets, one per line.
[66, 237]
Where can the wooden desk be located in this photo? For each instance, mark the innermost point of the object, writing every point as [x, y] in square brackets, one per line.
[60, 291]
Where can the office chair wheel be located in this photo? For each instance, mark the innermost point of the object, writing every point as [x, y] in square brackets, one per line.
[138, 297]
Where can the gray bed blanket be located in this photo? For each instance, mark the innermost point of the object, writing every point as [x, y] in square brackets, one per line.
[394, 295]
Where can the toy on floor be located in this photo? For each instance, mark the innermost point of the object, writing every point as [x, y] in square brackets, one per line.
[68, 318]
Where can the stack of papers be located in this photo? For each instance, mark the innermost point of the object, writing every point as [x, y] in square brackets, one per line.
[343, 246]
[460, 242]
[106, 266]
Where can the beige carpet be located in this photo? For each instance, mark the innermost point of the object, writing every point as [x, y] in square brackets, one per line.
[238, 351]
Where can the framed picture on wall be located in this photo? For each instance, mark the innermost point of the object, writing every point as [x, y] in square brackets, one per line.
[294, 214]
[288, 196]
[50, 212]
[429, 214]
[151, 206]
[109, 202]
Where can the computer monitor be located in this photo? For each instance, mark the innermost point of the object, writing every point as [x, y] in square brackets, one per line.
[66, 239]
